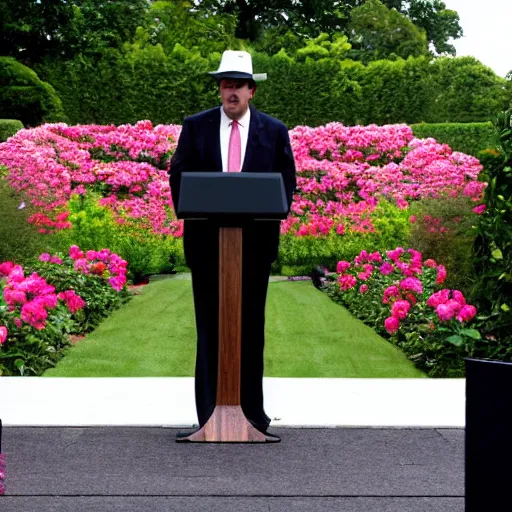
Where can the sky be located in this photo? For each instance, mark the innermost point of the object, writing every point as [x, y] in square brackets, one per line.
[487, 32]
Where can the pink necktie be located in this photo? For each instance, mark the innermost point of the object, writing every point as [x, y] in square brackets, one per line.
[235, 148]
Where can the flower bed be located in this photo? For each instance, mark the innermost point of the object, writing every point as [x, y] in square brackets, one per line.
[402, 298]
[353, 182]
[41, 305]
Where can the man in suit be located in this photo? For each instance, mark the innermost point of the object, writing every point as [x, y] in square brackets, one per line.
[234, 137]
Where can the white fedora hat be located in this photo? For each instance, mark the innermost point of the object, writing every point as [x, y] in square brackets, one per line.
[236, 64]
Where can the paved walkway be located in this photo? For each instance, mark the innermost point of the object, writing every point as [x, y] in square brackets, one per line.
[143, 469]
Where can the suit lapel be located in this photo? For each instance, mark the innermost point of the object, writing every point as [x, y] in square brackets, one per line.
[255, 142]
[213, 139]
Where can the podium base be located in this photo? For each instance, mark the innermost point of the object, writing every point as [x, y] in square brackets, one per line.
[227, 424]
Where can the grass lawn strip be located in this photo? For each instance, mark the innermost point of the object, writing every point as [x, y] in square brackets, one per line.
[307, 335]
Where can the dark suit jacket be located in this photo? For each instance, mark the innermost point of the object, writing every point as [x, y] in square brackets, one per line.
[268, 150]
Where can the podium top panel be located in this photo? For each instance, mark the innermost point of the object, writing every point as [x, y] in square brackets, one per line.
[231, 196]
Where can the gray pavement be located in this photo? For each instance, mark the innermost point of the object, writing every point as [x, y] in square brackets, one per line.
[139, 469]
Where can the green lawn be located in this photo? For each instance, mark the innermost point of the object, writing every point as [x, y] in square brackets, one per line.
[308, 335]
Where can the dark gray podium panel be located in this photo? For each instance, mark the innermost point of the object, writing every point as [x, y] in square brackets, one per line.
[214, 195]
[488, 435]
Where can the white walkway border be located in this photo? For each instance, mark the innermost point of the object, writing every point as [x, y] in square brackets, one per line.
[169, 402]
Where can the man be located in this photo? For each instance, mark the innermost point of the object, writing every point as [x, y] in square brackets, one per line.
[232, 138]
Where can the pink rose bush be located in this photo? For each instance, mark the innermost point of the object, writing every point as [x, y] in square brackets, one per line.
[41, 304]
[343, 172]
[401, 295]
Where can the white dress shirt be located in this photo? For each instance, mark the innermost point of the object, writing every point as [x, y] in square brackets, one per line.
[225, 132]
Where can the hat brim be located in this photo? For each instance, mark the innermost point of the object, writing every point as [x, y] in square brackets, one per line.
[257, 77]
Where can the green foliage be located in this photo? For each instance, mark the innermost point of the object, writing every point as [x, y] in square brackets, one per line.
[94, 228]
[444, 231]
[386, 90]
[493, 245]
[441, 24]
[31, 30]
[312, 88]
[469, 138]
[322, 47]
[299, 255]
[19, 240]
[8, 128]
[381, 33]
[304, 93]
[466, 91]
[459, 90]
[25, 97]
[253, 17]
[34, 31]
[171, 23]
[508, 89]
[149, 84]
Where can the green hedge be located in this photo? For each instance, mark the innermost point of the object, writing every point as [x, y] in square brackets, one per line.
[25, 97]
[8, 127]
[469, 138]
[145, 82]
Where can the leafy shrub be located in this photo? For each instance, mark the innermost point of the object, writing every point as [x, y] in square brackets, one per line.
[493, 245]
[94, 227]
[25, 97]
[41, 304]
[99, 277]
[443, 229]
[490, 158]
[313, 92]
[8, 127]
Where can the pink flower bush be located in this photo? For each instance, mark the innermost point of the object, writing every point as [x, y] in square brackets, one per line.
[342, 173]
[41, 304]
[406, 291]
[29, 298]
[103, 263]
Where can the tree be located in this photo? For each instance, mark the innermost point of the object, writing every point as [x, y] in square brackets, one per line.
[173, 22]
[32, 30]
[304, 17]
[439, 23]
[101, 24]
[377, 32]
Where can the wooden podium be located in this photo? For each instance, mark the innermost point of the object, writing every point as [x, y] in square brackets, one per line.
[230, 201]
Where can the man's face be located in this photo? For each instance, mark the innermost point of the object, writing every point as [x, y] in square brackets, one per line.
[235, 96]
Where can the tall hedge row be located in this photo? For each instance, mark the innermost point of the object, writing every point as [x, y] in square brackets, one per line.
[146, 83]
[469, 138]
